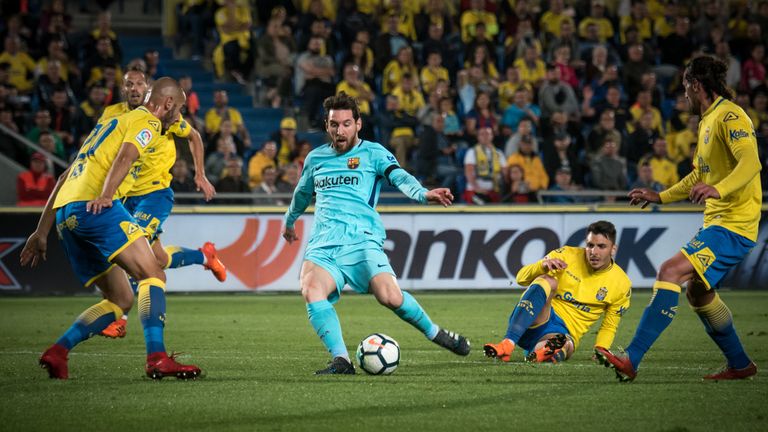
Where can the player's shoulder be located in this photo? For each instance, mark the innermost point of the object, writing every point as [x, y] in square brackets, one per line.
[729, 113]
[619, 274]
[566, 252]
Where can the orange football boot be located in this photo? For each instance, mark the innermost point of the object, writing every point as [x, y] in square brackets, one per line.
[502, 350]
[213, 263]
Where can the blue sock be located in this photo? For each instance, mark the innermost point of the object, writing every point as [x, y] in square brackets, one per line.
[718, 322]
[412, 313]
[91, 322]
[656, 317]
[324, 320]
[181, 257]
[134, 286]
[152, 313]
[532, 301]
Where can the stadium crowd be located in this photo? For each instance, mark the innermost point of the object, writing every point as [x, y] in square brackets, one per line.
[497, 99]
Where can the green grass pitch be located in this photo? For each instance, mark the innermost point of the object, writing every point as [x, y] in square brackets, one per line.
[258, 353]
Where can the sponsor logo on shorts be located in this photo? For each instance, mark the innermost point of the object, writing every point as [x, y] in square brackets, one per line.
[144, 137]
[705, 257]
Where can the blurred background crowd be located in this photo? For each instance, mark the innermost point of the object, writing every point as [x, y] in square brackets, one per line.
[496, 99]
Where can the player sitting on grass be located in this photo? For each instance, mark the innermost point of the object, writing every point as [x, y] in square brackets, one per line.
[568, 290]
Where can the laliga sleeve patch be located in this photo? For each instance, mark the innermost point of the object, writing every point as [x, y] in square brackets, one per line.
[144, 137]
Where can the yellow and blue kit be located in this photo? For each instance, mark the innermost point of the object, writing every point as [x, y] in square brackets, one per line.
[727, 159]
[91, 241]
[583, 295]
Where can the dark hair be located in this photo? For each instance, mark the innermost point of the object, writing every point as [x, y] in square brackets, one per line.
[710, 72]
[604, 228]
[341, 101]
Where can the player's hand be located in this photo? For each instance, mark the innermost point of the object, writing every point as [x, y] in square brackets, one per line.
[204, 186]
[289, 234]
[643, 197]
[553, 264]
[36, 248]
[701, 191]
[442, 196]
[97, 205]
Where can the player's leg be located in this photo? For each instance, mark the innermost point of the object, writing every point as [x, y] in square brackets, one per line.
[552, 348]
[718, 323]
[657, 316]
[532, 310]
[121, 297]
[140, 263]
[178, 256]
[317, 286]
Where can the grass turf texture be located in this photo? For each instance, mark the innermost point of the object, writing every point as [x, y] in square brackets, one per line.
[258, 354]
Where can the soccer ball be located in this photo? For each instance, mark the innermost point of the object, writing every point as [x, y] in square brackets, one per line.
[378, 354]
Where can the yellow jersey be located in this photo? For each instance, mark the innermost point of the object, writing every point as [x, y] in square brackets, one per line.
[726, 158]
[114, 110]
[92, 164]
[346, 87]
[21, 70]
[213, 119]
[155, 167]
[583, 294]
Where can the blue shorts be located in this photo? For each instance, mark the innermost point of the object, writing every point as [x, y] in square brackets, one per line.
[715, 250]
[532, 336]
[92, 241]
[151, 210]
[351, 264]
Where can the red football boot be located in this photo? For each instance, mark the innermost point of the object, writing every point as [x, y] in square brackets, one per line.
[620, 363]
[161, 365]
[54, 360]
[730, 373]
[213, 263]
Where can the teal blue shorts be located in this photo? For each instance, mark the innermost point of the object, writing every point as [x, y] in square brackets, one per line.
[354, 265]
[714, 251]
[92, 241]
[151, 210]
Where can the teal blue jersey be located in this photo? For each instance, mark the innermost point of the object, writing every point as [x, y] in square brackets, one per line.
[346, 189]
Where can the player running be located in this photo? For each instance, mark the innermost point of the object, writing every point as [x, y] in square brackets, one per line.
[726, 178]
[347, 238]
[97, 232]
[568, 291]
[150, 199]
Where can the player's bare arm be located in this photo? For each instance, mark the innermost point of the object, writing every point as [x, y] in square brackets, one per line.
[125, 158]
[442, 196]
[37, 243]
[643, 197]
[701, 192]
[198, 157]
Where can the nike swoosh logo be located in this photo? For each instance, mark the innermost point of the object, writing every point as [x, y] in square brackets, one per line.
[382, 265]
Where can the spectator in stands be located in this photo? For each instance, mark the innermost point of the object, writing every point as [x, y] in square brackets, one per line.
[291, 175]
[104, 30]
[193, 101]
[613, 102]
[597, 17]
[649, 83]
[233, 56]
[562, 155]
[634, 69]
[315, 73]
[563, 182]
[183, 181]
[679, 149]
[110, 83]
[480, 116]
[222, 111]
[285, 138]
[640, 142]
[733, 76]
[274, 62]
[685, 166]
[232, 181]
[480, 40]
[46, 142]
[524, 130]
[154, 69]
[433, 72]
[562, 60]
[388, 44]
[644, 105]
[8, 145]
[557, 95]
[34, 186]
[353, 85]
[303, 149]
[520, 109]
[437, 12]
[63, 119]
[549, 23]
[322, 29]
[449, 49]
[226, 131]
[606, 126]
[527, 157]
[677, 48]
[436, 163]
[482, 59]
[508, 87]
[361, 56]
[266, 156]
[431, 108]
[90, 110]
[192, 16]
[104, 55]
[474, 15]
[56, 52]
[664, 170]
[638, 19]
[567, 38]
[217, 161]
[269, 186]
[598, 64]
[609, 170]
[752, 72]
[395, 70]
[452, 127]
[711, 17]
[21, 64]
[42, 121]
[314, 11]
[532, 68]
[519, 190]
[51, 82]
[485, 168]
[645, 178]
[409, 102]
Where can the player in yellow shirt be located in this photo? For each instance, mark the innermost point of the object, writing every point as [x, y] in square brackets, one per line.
[726, 178]
[97, 232]
[150, 198]
[568, 291]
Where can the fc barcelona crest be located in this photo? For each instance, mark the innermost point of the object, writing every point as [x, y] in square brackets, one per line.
[353, 162]
[601, 293]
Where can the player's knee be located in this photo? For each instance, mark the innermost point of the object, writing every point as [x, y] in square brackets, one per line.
[390, 297]
[671, 271]
[552, 284]
[698, 294]
[312, 291]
